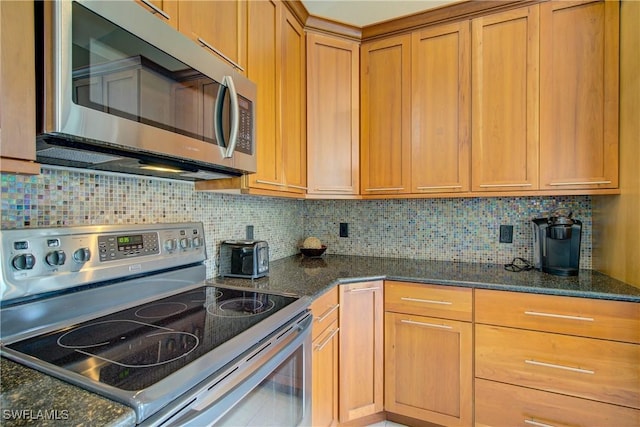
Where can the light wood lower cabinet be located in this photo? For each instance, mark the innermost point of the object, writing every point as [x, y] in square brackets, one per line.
[324, 404]
[429, 360]
[361, 350]
[499, 404]
[428, 368]
[553, 360]
[605, 371]
[324, 360]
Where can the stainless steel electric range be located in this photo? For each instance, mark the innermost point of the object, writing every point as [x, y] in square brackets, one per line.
[126, 312]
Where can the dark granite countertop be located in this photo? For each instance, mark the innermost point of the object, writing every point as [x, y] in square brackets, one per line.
[313, 276]
[34, 393]
[29, 397]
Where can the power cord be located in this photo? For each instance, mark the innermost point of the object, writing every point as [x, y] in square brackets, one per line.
[518, 264]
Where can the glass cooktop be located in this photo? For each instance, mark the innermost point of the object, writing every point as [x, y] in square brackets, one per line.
[135, 348]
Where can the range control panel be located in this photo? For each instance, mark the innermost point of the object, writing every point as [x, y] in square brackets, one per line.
[51, 259]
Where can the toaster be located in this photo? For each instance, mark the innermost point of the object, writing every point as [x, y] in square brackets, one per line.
[244, 258]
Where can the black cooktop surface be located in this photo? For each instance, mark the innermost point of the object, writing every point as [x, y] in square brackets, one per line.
[135, 348]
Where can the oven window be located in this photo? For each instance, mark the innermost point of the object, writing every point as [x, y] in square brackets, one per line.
[120, 74]
[276, 401]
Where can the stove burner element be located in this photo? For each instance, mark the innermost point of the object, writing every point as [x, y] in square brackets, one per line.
[161, 310]
[129, 343]
[240, 307]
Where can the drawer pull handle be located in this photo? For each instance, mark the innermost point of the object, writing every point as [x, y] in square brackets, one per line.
[524, 184]
[155, 9]
[439, 187]
[327, 313]
[385, 189]
[428, 301]
[566, 368]
[209, 46]
[537, 424]
[559, 316]
[326, 341]
[432, 325]
[581, 183]
[363, 289]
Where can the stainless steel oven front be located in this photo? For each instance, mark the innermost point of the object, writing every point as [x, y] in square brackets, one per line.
[125, 311]
[268, 386]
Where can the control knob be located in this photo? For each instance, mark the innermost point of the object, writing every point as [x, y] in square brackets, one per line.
[56, 258]
[23, 262]
[185, 243]
[197, 242]
[170, 244]
[82, 255]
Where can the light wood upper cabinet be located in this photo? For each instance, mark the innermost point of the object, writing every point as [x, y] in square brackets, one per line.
[441, 107]
[333, 115]
[361, 350]
[17, 89]
[166, 10]
[293, 104]
[264, 56]
[386, 116]
[219, 24]
[276, 63]
[579, 94]
[505, 100]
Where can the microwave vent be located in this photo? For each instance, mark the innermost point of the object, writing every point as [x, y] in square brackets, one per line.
[76, 155]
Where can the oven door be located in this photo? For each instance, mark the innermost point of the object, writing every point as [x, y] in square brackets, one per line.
[269, 386]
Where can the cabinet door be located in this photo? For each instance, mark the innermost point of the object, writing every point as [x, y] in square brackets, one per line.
[579, 94]
[505, 100]
[324, 395]
[166, 10]
[17, 88]
[263, 68]
[333, 115]
[386, 122]
[219, 24]
[293, 103]
[441, 107]
[361, 350]
[428, 368]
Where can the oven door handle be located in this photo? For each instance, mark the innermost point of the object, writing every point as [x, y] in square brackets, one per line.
[210, 406]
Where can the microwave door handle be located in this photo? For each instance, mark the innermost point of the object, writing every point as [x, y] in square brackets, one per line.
[235, 116]
[217, 119]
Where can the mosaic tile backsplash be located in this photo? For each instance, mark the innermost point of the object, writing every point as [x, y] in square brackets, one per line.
[460, 229]
[61, 197]
[440, 229]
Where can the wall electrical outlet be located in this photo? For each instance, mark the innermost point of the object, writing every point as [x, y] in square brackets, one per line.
[506, 234]
[344, 229]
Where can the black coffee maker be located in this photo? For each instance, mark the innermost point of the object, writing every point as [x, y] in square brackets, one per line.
[556, 243]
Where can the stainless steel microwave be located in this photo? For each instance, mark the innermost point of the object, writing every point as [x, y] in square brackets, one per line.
[119, 90]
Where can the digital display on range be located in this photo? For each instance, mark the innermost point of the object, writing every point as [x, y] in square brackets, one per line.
[128, 241]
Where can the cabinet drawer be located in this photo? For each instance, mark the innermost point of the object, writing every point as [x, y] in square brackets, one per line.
[613, 320]
[500, 404]
[325, 311]
[448, 302]
[606, 371]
